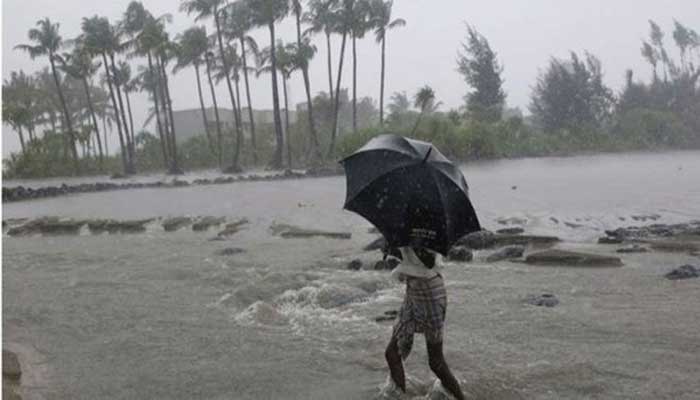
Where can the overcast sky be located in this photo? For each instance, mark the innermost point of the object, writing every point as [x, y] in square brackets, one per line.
[525, 34]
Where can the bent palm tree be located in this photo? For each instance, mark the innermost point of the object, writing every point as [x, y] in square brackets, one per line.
[344, 27]
[47, 41]
[425, 101]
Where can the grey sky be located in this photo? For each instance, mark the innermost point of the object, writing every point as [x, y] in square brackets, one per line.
[525, 34]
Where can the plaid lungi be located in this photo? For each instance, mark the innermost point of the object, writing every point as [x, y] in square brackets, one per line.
[422, 311]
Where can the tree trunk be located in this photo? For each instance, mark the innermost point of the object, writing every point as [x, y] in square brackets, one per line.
[330, 65]
[167, 123]
[354, 85]
[94, 119]
[66, 115]
[129, 146]
[420, 115]
[163, 142]
[309, 103]
[216, 112]
[334, 128]
[131, 118]
[381, 84]
[201, 106]
[104, 136]
[240, 140]
[175, 169]
[237, 121]
[250, 106]
[286, 122]
[277, 159]
[21, 137]
[125, 162]
[234, 166]
[52, 118]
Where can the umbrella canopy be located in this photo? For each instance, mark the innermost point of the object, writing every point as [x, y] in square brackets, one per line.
[411, 192]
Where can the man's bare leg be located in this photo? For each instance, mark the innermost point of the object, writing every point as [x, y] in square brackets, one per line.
[438, 365]
[393, 358]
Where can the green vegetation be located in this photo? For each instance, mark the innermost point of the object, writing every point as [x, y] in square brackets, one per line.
[65, 113]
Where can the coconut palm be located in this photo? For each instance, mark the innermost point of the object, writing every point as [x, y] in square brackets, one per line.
[99, 38]
[164, 54]
[345, 19]
[306, 51]
[191, 46]
[208, 59]
[47, 41]
[123, 80]
[360, 24]
[286, 57]
[322, 18]
[382, 22]
[212, 8]
[237, 24]
[424, 100]
[147, 81]
[19, 104]
[267, 13]
[79, 66]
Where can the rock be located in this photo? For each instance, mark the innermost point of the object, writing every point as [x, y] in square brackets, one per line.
[507, 252]
[230, 251]
[175, 223]
[118, 175]
[572, 225]
[377, 244]
[556, 257]
[477, 240]
[677, 246]
[556, 221]
[233, 169]
[383, 318]
[542, 300]
[61, 227]
[632, 249]
[512, 221]
[113, 226]
[525, 240]
[355, 265]
[511, 231]
[10, 366]
[392, 313]
[233, 228]
[460, 254]
[290, 231]
[386, 265]
[179, 183]
[683, 272]
[205, 223]
[31, 227]
[609, 240]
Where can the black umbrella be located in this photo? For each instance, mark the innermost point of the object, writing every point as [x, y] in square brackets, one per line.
[411, 192]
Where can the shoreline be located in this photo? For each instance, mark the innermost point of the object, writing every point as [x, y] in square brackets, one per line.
[21, 193]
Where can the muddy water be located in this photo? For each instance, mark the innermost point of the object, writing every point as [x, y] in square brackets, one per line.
[162, 316]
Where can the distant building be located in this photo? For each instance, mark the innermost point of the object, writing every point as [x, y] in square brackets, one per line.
[188, 123]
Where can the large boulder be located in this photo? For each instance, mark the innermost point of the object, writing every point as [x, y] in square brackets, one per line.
[683, 272]
[205, 223]
[511, 231]
[31, 227]
[632, 249]
[175, 223]
[386, 265]
[460, 254]
[477, 240]
[525, 240]
[542, 300]
[355, 265]
[232, 228]
[504, 253]
[556, 257]
[290, 231]
[61, 227]
[675, 245]
[113, 226]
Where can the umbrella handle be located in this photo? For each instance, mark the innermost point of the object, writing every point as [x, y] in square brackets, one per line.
[427, 155]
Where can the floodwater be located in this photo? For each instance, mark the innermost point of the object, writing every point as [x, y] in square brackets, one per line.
[162, 316]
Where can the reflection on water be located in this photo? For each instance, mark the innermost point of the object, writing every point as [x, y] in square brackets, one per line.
[161, 315]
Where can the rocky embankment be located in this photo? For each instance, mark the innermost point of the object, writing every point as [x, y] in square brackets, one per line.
[20, 193]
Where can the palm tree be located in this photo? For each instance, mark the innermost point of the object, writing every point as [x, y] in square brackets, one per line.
[344, 26]
[425, 101]
[360, 24]
[206, 9]
[79, 65]
[47, 41]
[19, 105]
[237, 24]
[191, 46]
[164, 53]
[122, 79]
[322, 17]
[208, 56]
[148, 81]
[286, 64]
[99, 38]
[382, 22]
[306, 51]
[267, 13]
